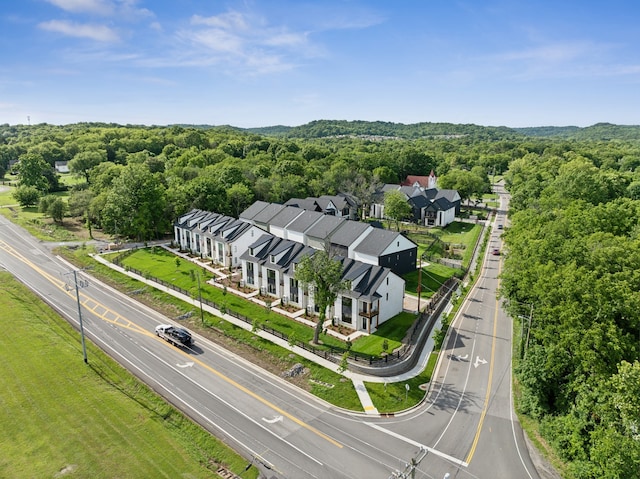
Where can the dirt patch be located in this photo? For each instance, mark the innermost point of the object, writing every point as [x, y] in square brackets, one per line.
[78, 228]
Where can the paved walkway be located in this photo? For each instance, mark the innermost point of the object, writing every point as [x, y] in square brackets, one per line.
[357, 379]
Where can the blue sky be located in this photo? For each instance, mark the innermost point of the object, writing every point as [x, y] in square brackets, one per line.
[265, 62]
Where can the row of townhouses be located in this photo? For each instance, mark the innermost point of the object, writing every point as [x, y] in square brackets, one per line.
[270, 239]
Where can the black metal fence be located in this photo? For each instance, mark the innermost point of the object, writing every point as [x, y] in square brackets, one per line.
[330, 353]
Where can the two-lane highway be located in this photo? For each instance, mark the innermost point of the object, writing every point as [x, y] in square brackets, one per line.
[289, 432]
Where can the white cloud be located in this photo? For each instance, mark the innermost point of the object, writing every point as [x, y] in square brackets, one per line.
[123, 9]
[246, 42]
[101, 7]
[99, 33]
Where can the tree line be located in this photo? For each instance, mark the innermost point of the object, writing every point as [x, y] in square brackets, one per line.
[571, 274]
[572, 278]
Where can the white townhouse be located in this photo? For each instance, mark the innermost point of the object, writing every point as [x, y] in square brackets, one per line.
[217, 237]
[351, 239]
[376, 293]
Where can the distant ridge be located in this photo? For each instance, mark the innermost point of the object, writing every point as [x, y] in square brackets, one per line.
[387, 130]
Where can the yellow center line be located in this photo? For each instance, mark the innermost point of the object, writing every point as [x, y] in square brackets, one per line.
[490, 380]
[92, 305]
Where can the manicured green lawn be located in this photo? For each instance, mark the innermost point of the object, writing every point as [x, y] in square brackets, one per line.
[433, 276]
[392, 331]
[393, 397]
[60, 417]
[160, 263]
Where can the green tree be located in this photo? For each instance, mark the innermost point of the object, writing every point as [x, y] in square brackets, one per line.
[57, 209]
[85, 161]
[239, 196]
[396, 206]
[26, 196]
[53, 206]
[31, 169]
[466, 183]
[136, 205]
[324, 276]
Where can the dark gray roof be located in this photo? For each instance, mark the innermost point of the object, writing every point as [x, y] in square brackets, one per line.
[365, 278]
[440, 204]
[260, 248]
[285, 216]
[348, 233]
[237, 226]
[253, 210]
[451, 195]
[376, 242]
[324, 228]
[309, 204]
[304, 221]
[264, 216]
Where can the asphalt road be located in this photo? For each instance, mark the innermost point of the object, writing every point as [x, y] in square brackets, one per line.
[465, 429]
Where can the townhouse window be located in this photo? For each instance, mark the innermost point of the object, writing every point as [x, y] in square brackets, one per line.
[250, 273]
[347, 313]
[271, 281]
[294, 290]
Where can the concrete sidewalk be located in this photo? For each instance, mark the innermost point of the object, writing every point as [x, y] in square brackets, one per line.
[357, 379]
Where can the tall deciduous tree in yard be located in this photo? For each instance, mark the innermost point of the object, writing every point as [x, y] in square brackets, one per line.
[84, 161]
[324, 275]
[31, 169]
[396, 207]
[135, 205]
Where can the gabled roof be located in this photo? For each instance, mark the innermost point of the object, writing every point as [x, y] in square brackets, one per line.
[451, 195]
[365, 278]
[268, 212]
[260, 248]
[440, 204]
[309, 204]
[231, 231]
[348, 233]
[304, 221]
[323, 228]
[182, 220]
[377, 241]
[411, 180]
[285, 216]
[253, 210]
[419, 201]
[340, 201]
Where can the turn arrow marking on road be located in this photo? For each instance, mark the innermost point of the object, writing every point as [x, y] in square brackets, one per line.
[272, 421]
[479, 361]
[186, 365]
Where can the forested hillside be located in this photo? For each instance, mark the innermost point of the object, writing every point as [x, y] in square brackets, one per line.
[599, 131]
[572, 277]
[572, 263]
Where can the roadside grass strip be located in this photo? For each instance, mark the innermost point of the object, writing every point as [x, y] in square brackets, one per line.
[60, 416]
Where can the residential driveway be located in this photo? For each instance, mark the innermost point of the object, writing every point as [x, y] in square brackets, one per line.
[411, 303]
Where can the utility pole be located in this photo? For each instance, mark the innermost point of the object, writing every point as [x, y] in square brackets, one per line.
[526, 346]
[81, 284]
[409, 470]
